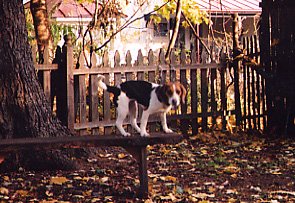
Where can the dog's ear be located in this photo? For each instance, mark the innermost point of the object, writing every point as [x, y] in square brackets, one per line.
[183, 93]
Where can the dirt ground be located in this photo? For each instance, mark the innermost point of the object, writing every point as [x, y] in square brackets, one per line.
[203, 168]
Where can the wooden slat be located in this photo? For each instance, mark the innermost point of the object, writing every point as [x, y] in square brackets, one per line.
[173, 66]
[248, 89]
[46, 67]
[253, 83]
[10, 145]
[107, 105]
[47, 78]
[184, 123]
[194, 94]
[70, 85]
[93, 99]
[204, 99]
[162, 70]
[258, 89]
[223, 97]
[140, 76]
[151, 78]
[213, 97]
[129, 76]
[172, 78]
[245, 88]
[82, 93]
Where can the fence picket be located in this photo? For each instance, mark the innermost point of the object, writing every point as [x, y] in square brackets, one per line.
[194, 94]
[183, 80]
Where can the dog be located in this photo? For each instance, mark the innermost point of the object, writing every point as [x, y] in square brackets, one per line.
[154, 98]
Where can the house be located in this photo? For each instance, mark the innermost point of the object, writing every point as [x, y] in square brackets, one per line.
[157, 36]
[145, 35]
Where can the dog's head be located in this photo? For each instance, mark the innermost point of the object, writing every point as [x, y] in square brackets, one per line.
[173, 93]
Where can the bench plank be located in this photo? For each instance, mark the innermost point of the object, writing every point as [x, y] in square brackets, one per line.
[8, 145]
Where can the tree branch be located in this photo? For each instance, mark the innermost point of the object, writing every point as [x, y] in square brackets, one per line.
[127, 24]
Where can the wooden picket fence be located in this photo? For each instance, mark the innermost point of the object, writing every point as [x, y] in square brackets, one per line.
[210, 102]
[253, 91]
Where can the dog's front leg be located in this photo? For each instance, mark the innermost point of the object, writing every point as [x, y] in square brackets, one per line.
[143, 123]
[164, 123]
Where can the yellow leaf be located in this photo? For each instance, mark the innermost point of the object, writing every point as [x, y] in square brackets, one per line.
[121, 156]
[234, 175]
[22, 193]
[203, 195]
[168, 178]
[211, 189]
[95, 200]
[58, 180]
[4, 191]
[104, 179]
[6, 178]
[87, 193]
[204, 151]
[231, 169]
[232, 200]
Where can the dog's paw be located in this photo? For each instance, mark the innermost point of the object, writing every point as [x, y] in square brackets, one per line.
[144, 134]
[168, 130]
[126, 134]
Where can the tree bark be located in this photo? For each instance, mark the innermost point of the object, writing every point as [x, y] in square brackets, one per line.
[23, 106]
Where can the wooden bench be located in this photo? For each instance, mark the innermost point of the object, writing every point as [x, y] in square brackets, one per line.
[135, 145]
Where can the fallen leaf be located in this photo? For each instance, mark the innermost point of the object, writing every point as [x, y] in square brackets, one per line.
[168, 178]
[284, 192]
[122, 156]
[4, 191]
[22, 193]
[104, 179]
[58, 180]
[203, 195]
[231, 169]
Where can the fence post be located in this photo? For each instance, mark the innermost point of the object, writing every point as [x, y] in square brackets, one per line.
[46, 77]
[236, 66]
[70, 82]
[60, 82]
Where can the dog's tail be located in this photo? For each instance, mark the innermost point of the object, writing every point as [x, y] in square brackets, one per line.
[108, 88]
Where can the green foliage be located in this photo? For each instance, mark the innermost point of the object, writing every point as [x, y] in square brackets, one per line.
[58, 30]
[189, 8]
[30, 26]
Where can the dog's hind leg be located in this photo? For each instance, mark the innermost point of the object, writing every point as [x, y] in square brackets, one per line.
[122, 112]
[133, 115]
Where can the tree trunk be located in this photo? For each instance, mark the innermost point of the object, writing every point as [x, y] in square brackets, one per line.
[41, 25]
[23, 106]
[175, 30]
[237, 67]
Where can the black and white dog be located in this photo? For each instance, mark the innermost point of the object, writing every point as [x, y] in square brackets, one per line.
[153, 97]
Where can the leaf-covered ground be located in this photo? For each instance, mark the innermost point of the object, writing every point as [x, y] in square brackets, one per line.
[203, 168]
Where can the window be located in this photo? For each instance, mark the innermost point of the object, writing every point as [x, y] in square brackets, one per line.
[161, 29]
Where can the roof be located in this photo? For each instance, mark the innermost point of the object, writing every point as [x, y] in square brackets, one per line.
[71, 9]
[230, 6]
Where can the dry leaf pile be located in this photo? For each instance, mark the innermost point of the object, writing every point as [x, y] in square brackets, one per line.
[204, 168]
